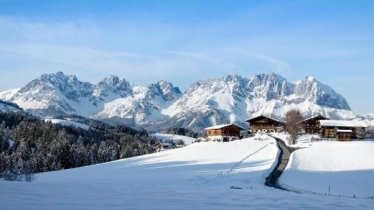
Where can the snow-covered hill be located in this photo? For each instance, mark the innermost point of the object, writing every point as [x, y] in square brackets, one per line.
[174, 138]
[209, 175]
[68, 122]
[343, 168]
[7, 95]
[8, 106]
[231, 99]
[369, 119]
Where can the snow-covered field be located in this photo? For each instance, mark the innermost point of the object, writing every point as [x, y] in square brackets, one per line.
[347, 168]
[198, 176]
[301, 141]
[170, 137]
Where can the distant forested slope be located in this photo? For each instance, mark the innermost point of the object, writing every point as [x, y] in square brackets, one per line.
[30, 145]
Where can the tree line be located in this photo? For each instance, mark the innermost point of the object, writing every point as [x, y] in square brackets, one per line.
[181, 131]
[14, 105]
[30, 145]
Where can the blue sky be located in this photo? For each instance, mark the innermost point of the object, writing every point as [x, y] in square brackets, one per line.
[184, 41]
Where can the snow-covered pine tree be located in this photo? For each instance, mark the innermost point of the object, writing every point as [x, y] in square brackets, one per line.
[4, 144]
[24, 165]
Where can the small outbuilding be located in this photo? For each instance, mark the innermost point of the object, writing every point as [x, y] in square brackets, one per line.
[224, 133]
[265, 124]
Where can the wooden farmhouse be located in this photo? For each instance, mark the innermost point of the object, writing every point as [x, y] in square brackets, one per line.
[224, 133]
[265, 124]
[312, 125]
[343, 130]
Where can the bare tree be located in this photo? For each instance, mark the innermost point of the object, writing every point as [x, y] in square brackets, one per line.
[293, 117]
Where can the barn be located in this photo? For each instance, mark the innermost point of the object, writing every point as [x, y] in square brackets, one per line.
[224, 133]
[265, 124]
[343, 130]
[312, 125]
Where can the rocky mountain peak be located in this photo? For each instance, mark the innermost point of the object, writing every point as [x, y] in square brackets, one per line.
[319, 93]
[58, 78]
[112, 85]
[167, 87]
[58, 83]
[165, 90]
[233, 78]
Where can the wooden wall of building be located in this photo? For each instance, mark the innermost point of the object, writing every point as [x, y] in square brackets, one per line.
[263, 123]
[331, 132]
[312, 125]
[231, 130]
[344, 136]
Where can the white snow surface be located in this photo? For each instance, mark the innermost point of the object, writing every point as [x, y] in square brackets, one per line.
[343, 123]
[165, 137]
[198, 176]
[346, 167]
[301, 141]
[8, 94]
[68, 122]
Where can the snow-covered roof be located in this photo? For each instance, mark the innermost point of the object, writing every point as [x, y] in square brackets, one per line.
[270, 117]
[221, 126]
[343, 123]
[315, 116]
[344, 131]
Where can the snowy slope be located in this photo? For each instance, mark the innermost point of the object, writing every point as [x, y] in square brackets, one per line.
[7, 95]
[301, 141]
[8, 107]
[143, 106]
[369, 119]
[166, 137]
[199, 176]
[231, 99]
[66, 122]
[346, 167]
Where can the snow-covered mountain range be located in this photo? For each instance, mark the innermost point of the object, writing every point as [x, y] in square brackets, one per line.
[161, 105]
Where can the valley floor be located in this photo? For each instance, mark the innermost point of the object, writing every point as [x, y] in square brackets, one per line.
[207, 175]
